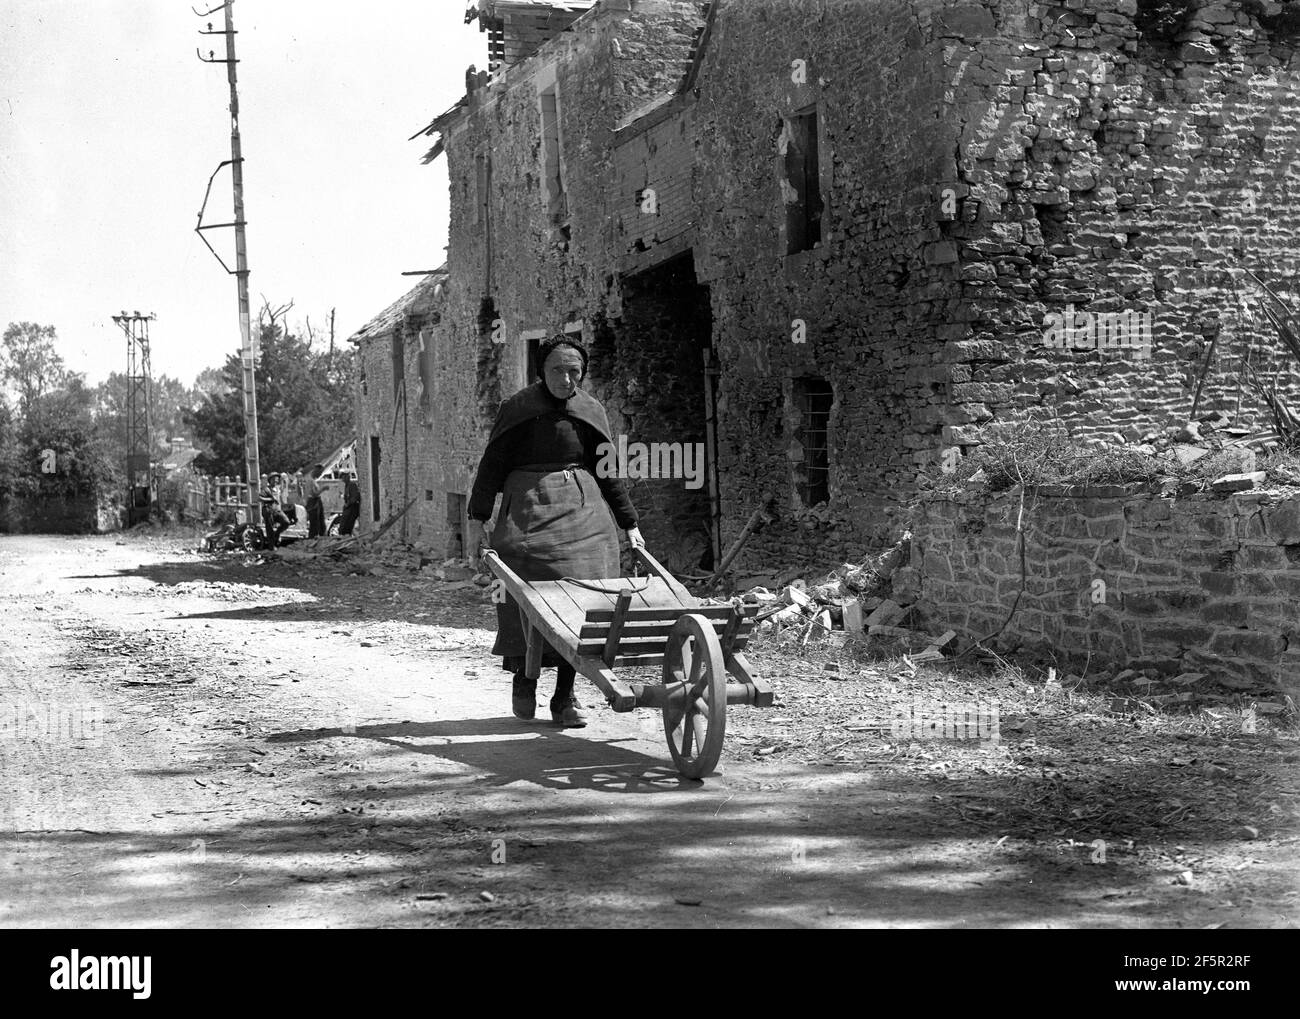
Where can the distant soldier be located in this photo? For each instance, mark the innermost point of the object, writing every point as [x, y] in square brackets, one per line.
[351, 505]
[274, 520]
[315, 505]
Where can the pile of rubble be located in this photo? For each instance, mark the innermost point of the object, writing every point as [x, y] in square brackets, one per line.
[874, 598]
[1214, 452]
[390, 559]
[356, 555]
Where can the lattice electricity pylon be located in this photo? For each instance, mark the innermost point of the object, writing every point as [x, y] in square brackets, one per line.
[139, 478]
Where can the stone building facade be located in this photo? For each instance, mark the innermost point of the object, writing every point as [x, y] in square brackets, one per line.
[826, 240]
[398, 452]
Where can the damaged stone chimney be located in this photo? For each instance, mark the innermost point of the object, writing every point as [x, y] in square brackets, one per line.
[518, 28]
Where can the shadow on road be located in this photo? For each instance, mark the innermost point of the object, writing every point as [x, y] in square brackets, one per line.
[538, 753]
[339, 596]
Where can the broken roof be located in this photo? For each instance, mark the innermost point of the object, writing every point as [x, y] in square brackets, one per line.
[516, 30]
[419, 300]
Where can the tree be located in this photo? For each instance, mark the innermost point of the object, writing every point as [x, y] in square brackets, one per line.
[169, 400]
[62, 421]
[10, 457]
[50, 444]
[29, 362]
[304, 404]
[208, 383]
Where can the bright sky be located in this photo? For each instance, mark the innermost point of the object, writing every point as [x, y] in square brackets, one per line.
[110, 127]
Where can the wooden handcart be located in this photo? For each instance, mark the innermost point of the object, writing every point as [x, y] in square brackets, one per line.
[601, 625]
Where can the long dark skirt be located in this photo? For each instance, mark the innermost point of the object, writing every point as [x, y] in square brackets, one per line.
[551, 525]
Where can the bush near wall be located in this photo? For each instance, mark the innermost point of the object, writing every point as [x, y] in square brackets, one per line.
[63, 514]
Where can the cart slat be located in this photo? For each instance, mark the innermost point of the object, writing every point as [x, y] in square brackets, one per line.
[664, 613]
[633, 629]
[645, 646]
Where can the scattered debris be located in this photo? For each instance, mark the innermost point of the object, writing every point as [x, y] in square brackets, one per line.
[872, 598]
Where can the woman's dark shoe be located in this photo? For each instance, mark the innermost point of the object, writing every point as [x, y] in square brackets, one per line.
[524, 700]
[524, 707]
[567, 713]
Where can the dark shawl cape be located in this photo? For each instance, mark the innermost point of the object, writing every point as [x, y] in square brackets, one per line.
[551, 524]
[535, 400]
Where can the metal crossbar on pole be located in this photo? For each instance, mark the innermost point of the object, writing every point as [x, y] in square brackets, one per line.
[247, 358]
[139, 477]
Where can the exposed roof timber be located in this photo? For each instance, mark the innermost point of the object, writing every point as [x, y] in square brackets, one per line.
[513, 26]
[418, 300]
[436, 125]
[701, 47]
[434, 152]
[494, 8]
[487, 15]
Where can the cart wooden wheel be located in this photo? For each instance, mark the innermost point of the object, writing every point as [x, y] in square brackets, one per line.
[695, 713]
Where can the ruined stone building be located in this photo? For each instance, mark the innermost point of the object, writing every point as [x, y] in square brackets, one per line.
[828, 239]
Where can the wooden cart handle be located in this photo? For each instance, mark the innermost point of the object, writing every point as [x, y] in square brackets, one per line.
[656, 567]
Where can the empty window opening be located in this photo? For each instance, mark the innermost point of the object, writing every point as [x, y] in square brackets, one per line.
[399, 362]
[552, 164]
[812, 469]
[803, 193]
[424, 366]
[456, 511]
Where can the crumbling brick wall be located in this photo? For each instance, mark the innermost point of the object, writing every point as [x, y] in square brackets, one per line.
[1116, 164]
[655, 177]
[540, 276]
[1115, 579]
[877, 299]
[990, 163]
[982, 164]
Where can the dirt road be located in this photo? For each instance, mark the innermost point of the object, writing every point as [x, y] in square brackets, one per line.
[192, 741]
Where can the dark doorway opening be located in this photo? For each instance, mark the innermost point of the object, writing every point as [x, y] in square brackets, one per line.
[456, 524]
[534, 360]
[374, 477]
[653, 368]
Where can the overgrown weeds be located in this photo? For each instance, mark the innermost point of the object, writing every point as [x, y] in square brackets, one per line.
[1039, 450]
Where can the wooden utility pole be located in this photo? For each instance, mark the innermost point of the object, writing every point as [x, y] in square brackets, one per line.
[252, 461]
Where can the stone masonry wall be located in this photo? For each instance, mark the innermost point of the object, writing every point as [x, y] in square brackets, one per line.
[615, 60]
[982, 164]
[1205, 583]
[415, 456]
[1111, 165]
[879, 296]
[985, 164]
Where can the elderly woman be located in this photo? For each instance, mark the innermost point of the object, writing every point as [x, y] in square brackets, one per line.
[555, 518]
